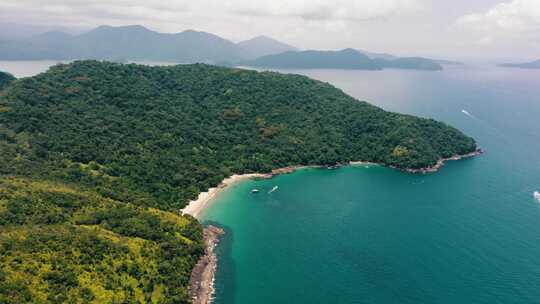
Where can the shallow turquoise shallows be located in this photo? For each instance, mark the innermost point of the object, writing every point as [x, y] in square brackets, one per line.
[467, 234]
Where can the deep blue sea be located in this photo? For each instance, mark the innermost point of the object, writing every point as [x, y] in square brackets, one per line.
[467, 234]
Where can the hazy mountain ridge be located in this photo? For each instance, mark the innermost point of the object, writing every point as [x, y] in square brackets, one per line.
[373, 55]
[137, 43]
[263, 45]
[343, 59]
[449, 62]
[17, 31]
[124, 43]
[524, 65]
[313, 59]
[387, 56]
[410, 63]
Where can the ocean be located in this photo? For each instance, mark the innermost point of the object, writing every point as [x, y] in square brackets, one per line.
[368, 234]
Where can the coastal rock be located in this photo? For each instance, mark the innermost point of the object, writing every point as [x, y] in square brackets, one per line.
[285, 170]
[442, 161]
[202, 277]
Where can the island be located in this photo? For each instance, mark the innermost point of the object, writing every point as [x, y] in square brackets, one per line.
[98, 159]
[262, 46]
[525, 65]
[347, 59]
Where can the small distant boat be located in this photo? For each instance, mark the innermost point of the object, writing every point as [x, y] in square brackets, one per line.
[273, 189]
[255, 191]
[536, 195]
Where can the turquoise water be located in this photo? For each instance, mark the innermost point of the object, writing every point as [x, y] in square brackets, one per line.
[467, 234]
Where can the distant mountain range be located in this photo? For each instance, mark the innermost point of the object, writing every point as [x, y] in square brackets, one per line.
[137, 43]
[132, 43]
[18, 31]
[344, 59]
[262, 46]
[525, 65]
[449, 62]
[125, 43]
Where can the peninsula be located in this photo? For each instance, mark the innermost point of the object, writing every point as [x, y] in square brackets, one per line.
[98, 158]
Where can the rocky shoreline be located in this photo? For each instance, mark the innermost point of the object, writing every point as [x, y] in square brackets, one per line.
[201, 283]
[440, 163]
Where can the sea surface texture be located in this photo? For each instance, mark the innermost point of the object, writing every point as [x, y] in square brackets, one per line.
[467, 234]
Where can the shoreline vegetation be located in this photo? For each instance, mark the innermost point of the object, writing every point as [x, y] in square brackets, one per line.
[203, 275]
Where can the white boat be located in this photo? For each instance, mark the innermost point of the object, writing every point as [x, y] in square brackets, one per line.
[255, 191]
[273, 189]
[536, 195]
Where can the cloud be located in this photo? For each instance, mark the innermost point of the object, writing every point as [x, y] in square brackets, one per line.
[516, 16]
[324, 9]
[484, 41]
[162, 12]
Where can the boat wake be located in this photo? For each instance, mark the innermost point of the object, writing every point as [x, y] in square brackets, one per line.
[536, 195]
[467, 113]
[273, 189]
[488, 126]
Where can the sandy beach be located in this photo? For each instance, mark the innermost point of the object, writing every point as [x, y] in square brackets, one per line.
[196, 207]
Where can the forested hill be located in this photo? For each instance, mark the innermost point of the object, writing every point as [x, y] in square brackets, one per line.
[98, 157]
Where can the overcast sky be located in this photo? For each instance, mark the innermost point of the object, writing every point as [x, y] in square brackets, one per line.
[447, 28]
